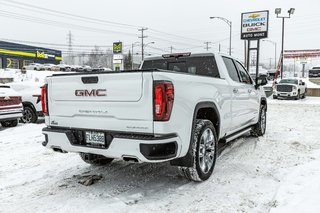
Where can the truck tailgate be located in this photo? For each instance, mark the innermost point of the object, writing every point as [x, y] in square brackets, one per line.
[106, 101]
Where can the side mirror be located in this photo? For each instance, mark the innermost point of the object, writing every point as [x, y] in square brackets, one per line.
[261, 81]
[303, 84]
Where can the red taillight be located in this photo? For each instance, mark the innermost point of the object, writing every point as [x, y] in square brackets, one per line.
[44, 100]
[163, 100]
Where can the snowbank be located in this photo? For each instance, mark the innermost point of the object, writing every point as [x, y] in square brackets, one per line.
[31, 75]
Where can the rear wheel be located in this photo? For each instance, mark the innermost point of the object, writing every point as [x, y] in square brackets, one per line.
[97, 160]
[29, 115]
[11, 123]
[204, 146]
[260, 128]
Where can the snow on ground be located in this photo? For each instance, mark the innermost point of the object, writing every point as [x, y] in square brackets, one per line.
[279, 172]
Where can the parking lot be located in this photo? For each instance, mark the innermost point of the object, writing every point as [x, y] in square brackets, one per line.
[251, 174]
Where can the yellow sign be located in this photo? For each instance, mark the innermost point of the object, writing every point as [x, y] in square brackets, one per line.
[254, 15]
[117, 47]
[40, 54]
[58, 58]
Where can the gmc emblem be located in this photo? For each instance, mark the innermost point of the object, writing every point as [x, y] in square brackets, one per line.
[94, 92]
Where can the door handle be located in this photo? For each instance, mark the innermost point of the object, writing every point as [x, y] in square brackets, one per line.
[235, 90]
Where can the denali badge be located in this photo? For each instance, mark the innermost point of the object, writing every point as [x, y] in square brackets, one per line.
[94, 92]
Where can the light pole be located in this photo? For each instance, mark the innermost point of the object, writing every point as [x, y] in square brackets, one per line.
[145, 45]
[132, 46]
[278, 12]
[230, 25]
[275, 51]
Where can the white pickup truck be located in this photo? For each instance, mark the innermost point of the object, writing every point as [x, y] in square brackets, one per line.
[176, 108]
[290, 88]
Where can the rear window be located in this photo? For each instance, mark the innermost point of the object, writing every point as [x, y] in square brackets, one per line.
[204, 66]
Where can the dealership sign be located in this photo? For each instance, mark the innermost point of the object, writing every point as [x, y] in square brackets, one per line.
[117, 47]
[254, 25]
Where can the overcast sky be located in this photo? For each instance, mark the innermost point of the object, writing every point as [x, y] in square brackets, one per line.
[188, 19]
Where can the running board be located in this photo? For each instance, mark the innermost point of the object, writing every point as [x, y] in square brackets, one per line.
[237, 134]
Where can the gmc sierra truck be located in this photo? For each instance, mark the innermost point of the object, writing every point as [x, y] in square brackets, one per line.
[293, 88]
[176, 108]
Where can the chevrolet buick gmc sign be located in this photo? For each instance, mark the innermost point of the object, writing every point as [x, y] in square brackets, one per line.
[254, 25]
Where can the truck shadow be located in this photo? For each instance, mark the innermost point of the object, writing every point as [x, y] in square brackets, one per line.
[126, 179]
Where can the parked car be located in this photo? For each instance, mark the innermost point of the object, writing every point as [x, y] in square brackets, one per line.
[293, 88]
[51, 67]
[86, 68]
[34, 66]
[314, 72]
[153, 115]
[31, 100]
[76, 68]
[10, 106]
[64, 67]
[100, 69]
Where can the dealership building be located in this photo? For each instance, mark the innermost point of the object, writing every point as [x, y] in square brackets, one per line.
[15, 56]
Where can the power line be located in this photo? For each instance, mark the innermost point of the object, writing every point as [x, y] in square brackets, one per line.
[42, 9]
[34, 19]
[56, 44]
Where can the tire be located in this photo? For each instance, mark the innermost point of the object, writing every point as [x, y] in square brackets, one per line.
[298, 96]
[97, 160]
[10, 123]
[204, 136]
[29, 115]
[304, 95]
[274, 97]
[260, 128]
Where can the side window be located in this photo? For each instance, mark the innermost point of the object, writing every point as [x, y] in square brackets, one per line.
[245, 78]
[232, 70]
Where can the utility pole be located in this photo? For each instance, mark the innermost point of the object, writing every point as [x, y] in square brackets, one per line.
[207, 45]
[270, 63]
[142, 44]
[70, 39]
[171, 49]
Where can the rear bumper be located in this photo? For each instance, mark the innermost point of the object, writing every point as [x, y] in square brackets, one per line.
[145, 148]
[10, 115]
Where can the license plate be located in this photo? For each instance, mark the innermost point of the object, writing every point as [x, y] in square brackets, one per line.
[283, 94]
[95, 138]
